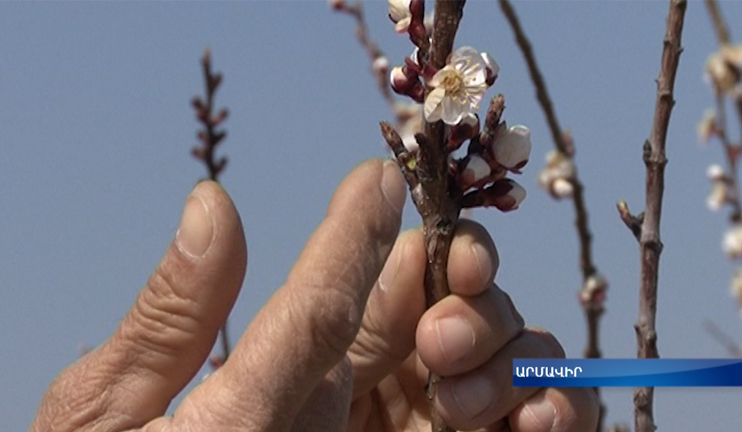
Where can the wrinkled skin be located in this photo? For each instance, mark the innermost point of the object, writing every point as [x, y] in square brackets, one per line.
[344, 345]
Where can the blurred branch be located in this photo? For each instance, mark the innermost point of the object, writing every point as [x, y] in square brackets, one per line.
[592, 310]
[379, 63]
[210, 137]
[650, 244]
[731, 154]
[724, 339]
[722, 32]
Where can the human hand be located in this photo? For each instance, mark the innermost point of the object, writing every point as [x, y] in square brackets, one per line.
[303, 364]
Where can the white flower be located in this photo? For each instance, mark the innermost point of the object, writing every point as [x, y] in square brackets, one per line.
[721, 73]
[715, 172]
[400, 14]
[458, 87]
[732, 244]
[562, 188]
[513, 147]
[476, 169]
[718, 196]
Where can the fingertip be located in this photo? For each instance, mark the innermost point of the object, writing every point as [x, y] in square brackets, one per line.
[473, 261]
[557, 410]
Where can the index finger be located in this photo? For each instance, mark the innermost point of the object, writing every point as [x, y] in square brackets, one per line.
[308, 325]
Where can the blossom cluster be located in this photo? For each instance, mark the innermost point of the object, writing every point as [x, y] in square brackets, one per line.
[452, 94]
[558, 175]
[724, 73]
[724, 69]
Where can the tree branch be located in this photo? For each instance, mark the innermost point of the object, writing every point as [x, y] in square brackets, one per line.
[372, 50]
[210, 137]
[650, 244]
[592, 311]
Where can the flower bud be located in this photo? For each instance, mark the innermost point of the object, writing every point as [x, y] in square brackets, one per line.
[466, 129]
[561, 188]
[721, 73]
[718, 196]
[380, 65]
[399, 13]
[715, 172]
[492, 68]
[402, 80]
[512, 148]
[593, 292]
[505, 194]
[732, 244]
[476, 169]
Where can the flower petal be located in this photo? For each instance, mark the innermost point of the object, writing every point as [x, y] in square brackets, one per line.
[453, 110]
[432, 108]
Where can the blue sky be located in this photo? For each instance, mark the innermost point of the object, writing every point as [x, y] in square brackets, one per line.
[97, 129]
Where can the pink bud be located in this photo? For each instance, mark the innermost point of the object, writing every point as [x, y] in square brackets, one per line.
[400, 80]
[492, 68]
[467, 129]
[512, 148]
[475, 170]
[505, 194]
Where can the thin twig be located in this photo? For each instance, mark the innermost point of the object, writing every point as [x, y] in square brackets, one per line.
[724, 339]
[722, 31]
[650, 244]
[210, 137]
[731, 154]
[566, 147]
[372, 49]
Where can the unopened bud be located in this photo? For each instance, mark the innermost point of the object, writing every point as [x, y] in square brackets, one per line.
[399, 13]
[476, 169]
[718, 196]
[732, 244]
[593, 292]
[401, 81]
[721, 73]
[380, 65]
[466, 129]
[512, 148]
[506, 195]
[715, 172]
[492, 68]
[561, 188]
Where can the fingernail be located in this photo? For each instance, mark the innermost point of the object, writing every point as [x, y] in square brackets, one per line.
[196, 228]
[455, 338]
[393, 185]
[484, 263]
[391, 268]
[473, 395]
[542, 412]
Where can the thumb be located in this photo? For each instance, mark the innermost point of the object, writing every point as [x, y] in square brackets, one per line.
[164, 339]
